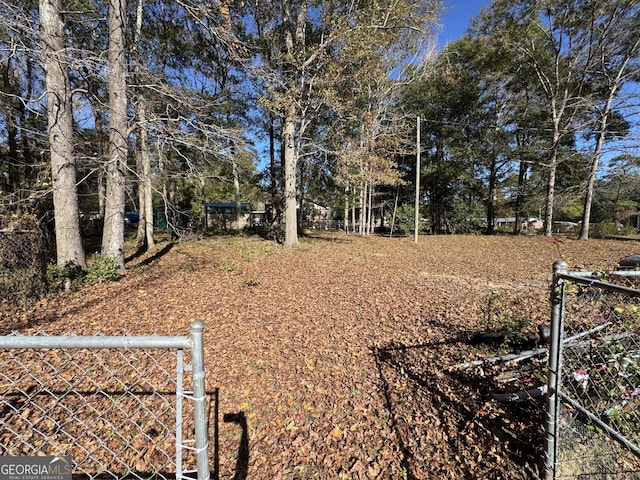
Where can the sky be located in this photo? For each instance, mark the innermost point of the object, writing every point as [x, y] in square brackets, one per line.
[456, 18]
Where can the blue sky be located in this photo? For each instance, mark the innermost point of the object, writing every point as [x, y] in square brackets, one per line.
[456, 18]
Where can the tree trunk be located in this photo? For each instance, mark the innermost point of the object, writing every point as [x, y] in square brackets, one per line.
[593, 170]
[438, 224]
[395, 209]
[553, 165]
[353, 212]
[171, 213]
[290, 167]
[370, 222]
[12, 116]
[551, 185]
[27, 152]
[102, 189]
[165, 181]
[558, 106]
[520, 194]
[237, 226]
[140, 233]
[146, 178]
[145, 227]
[69, 247]
[272, 162]
[113, 234]
[346, 209]
[491, 200]
[363, 210]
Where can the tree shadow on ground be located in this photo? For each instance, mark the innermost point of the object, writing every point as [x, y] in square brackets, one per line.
[152, 258]
[326, 236]
[446, 422]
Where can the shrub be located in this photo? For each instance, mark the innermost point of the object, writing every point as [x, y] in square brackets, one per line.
[101, 269]
[64, 277]
[603, 229]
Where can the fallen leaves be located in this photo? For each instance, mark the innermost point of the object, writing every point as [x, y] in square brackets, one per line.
[338, 352]
[336, 433]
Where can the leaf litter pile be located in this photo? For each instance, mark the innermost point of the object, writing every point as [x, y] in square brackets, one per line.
[341, 359]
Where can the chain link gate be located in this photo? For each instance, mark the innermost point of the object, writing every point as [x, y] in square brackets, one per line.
[593, 417]
[115, 405]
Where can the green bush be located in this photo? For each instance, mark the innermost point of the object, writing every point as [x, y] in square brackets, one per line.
[629, 230]
[602, 229]
[101, 269]
[65, 277]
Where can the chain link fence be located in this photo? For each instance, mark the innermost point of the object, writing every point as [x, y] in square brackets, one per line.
[23, 265]
[593, 425]
[115, 405]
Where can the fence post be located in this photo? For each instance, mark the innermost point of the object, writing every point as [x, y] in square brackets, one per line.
[199, 399]
[555, 368]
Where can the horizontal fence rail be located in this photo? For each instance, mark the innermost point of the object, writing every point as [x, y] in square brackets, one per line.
[97, 341]
[593, 417]
[114, 404]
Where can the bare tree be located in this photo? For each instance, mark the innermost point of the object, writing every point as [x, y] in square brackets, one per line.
[612, 33]
[69, 247]
[145, 190]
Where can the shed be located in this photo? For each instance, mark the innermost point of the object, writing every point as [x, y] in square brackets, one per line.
[222, 216]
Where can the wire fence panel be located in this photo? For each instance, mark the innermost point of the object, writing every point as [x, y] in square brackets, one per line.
[593, 428]
[115, 405]
[23, 257]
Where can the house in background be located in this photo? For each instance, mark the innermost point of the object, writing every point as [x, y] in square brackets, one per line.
[505, 222]
[533, 223]
[221, 216]
[530, 224]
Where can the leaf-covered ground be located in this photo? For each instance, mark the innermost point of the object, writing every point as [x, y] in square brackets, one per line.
[334, 360]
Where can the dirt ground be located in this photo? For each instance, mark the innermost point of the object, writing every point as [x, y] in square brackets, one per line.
[339, 354]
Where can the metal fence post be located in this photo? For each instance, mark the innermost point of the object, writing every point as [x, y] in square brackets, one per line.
[199, 398]
[555, 368]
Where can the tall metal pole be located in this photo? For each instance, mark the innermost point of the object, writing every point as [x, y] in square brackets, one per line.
[417, 203]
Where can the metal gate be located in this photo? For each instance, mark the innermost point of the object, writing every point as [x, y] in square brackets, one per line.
[114, 404]
[593, 421]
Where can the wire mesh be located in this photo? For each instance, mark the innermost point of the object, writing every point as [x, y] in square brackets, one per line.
[598, 421]
[115, 412]
[22, 266]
